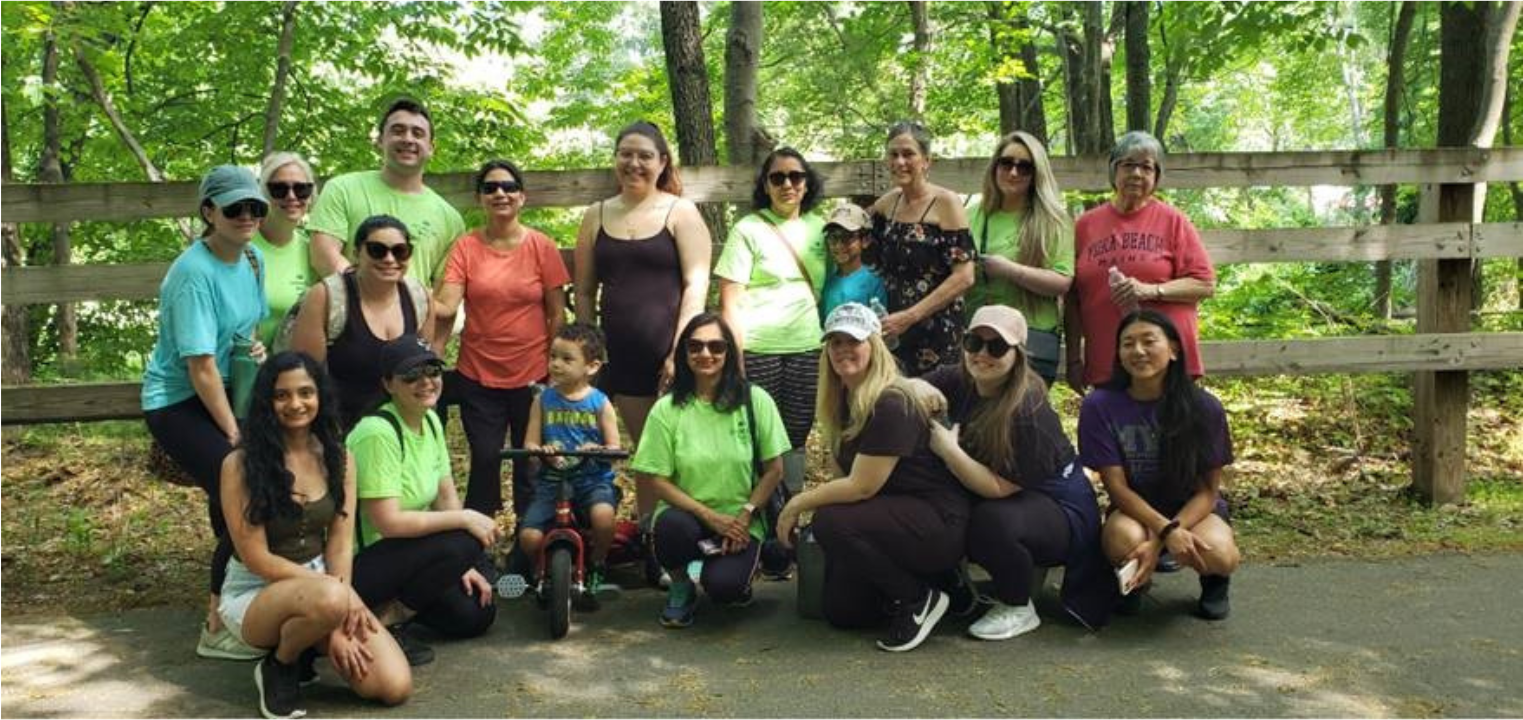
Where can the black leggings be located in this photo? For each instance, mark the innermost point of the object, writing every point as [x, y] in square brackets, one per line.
[1012, 536]
[725, 578]
[424, 574]
[192, 439]
[885, 548]
[790, 379]
[489, 415]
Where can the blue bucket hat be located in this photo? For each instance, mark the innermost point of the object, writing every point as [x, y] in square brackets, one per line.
[228, 184]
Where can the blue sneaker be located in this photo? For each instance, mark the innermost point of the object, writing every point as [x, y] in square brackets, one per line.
[681, 604]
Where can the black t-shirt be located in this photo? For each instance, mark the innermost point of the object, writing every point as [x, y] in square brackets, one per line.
[1041, 448]
[896, 429]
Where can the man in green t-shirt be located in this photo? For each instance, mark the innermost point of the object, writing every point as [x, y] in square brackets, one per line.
[405, 137]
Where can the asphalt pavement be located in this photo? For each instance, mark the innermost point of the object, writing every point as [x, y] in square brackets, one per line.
[1422, 637]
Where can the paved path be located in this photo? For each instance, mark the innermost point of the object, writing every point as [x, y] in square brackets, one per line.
[1435, 636]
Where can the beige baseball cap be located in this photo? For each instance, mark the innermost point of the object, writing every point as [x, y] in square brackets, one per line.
[1002, 319]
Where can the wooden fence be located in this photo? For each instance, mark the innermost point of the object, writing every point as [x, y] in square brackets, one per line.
[1445, 242]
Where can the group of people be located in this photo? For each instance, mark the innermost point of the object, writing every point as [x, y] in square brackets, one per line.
[918, 336]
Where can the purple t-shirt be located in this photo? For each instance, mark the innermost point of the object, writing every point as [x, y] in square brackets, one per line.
[1116, 430]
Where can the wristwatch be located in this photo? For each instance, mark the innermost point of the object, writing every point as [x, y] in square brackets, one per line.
[750, 508]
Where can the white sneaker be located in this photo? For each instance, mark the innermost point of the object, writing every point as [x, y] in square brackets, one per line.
[1003, 622]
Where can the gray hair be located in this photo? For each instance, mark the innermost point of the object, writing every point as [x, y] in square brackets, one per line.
[277, 160]
[916, 131]
[1133, 143]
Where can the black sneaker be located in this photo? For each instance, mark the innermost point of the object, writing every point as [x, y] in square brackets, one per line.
[1131, 603]
[913, 621]
[1166, 563]
[416, 651]
[1213, 597]
[279, 690]
[306, 667]
[962, 598]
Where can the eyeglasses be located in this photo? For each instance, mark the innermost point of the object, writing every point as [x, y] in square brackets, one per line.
[490, 187]
[252, 208]
[841, 237]
[995, 347]
[1022, 168]
[795, 178]
[426, 370]
[715, 347]
[279, 190]
[1129, 166]
[379, 251]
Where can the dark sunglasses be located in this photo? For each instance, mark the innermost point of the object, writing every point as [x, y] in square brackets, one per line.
[797, 177]
[715, 347]
[996, 347]
[490, 187]
[379, 251]
[251, 208]
[1023, 168]
[278, 190]
[426, 370]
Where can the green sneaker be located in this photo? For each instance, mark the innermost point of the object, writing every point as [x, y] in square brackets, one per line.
[587, 600]
[681, 604]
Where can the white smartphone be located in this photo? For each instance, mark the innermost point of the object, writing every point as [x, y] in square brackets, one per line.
[1126, 576]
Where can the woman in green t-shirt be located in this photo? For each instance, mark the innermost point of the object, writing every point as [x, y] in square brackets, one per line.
[770, 275]
[712, 449]
[288, 183]
[1025, 244]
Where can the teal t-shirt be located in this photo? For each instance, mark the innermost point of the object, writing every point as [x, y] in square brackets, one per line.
[779, 312]
[383, 470]
[999, 236]
[203, 304]
[287, 274]
[861, 286]
[348, 200]
[707, 453]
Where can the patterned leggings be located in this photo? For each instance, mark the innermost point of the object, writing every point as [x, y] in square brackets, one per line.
[791, 380]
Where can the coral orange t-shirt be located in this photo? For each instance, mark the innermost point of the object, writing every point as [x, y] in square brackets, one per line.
[1154, 244]
[506, 342]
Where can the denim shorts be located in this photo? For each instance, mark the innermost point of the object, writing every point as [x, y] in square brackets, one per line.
[585, 493]
[242, 586]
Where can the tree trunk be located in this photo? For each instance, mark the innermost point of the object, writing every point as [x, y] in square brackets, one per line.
[1077, 95]
[1514, 189]
[1139, 85]
[1171, 79]
[1020, 99]
[1104, 43]
[15, 326]
[742, 52]
[50, 170]
[1083, 58]
[1401, 36]
[688, 77]
[1500, 21]
[282, 73]
[920, 65]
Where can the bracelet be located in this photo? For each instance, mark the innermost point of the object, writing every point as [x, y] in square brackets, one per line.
[1171, 527]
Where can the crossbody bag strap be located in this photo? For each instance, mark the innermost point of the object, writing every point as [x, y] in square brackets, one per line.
[797, 259]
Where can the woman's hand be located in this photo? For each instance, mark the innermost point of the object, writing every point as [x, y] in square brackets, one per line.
[1187, 547]
[349, 654]
[258, 352]
[1146, 555]
[483, 528]
[944, 439]
[475, 584]
[895, 323]
[1129, 292]
[668, 371]
[359, 623]
[787, 524]
[728, 526]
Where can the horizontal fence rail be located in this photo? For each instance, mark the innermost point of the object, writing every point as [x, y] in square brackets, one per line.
[1388, 353]
[121, 202]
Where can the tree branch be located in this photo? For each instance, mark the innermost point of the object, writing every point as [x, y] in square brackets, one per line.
[132, 44]
[282, 72]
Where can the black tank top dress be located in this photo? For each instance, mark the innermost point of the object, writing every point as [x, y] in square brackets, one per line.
[641, 293]
[354, 357]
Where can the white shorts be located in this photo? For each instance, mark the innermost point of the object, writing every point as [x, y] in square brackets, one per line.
[240, 588]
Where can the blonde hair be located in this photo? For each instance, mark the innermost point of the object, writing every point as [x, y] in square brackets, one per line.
[1045, 219]
[832, 399]
[988, 429]
[279, 159]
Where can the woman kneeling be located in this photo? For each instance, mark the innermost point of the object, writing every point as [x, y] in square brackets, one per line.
[1159, 444]
[288, 497]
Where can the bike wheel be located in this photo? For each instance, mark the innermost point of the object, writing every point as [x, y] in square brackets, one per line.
[560, 592]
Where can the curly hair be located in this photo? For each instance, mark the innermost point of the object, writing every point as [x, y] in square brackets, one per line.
[270, 482]
[588, 337]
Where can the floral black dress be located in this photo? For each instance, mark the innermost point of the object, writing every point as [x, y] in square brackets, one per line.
[913, 259]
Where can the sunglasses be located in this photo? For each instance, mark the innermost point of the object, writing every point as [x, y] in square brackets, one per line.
[426, 370]
[278, 190]
[715, 347]
[841, 237]
[796, 178]
[251, 208]
[1022, 168]
[995, 347]
[490, 187]
[379, 251]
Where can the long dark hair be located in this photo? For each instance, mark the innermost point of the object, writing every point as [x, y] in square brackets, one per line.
[669, 180]
[732, 382]
[1183, 453]
[814, 187]
[270, 482]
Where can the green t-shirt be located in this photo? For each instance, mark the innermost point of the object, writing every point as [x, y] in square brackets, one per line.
[1003, 229]
[348, 200]
[383, 470]
[779, 311]
[707, 453]
[287, 274]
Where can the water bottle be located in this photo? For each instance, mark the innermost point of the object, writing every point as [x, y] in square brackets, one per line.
[244, 368]
[882, 312]
[811, 583]
[1117, 277]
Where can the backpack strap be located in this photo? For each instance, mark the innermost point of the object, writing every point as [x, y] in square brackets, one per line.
[338, 304]
[799, 261]
[420, 299]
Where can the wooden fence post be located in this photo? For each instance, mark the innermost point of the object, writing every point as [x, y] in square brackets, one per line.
[1441, 398]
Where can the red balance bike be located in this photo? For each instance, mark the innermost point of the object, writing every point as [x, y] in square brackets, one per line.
[561, 562]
